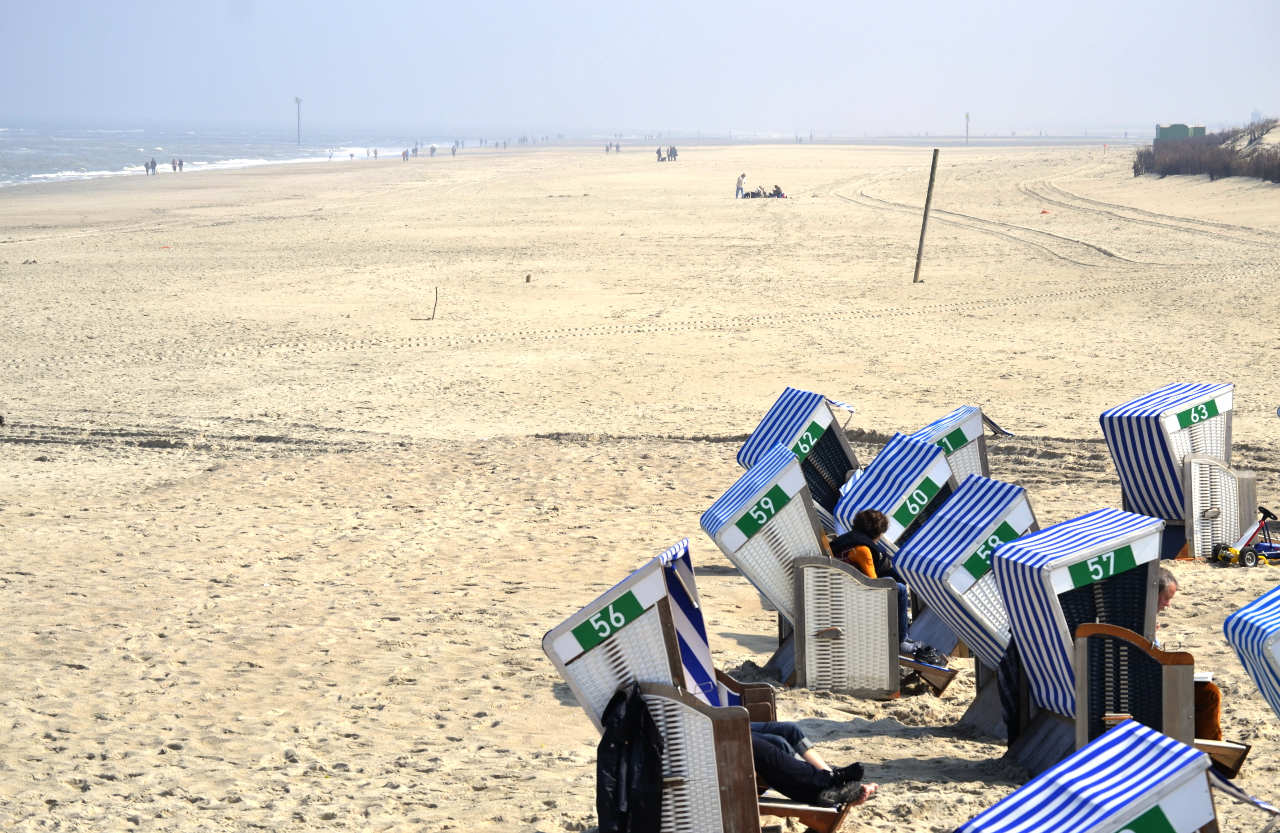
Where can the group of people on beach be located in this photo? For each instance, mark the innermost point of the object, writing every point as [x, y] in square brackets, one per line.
[670, 154]
[150, 165]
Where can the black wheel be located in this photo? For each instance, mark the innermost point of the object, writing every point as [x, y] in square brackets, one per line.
[1249, 557]
[1216, 552]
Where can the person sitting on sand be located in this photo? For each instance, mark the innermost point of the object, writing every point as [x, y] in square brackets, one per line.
[860, 547]
[775, 746]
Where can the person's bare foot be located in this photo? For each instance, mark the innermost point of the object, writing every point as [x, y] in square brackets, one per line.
[868, 790]
[851, 794]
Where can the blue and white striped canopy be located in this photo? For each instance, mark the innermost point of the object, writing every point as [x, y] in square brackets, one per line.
[789, 416]
[1119, 776]
[946, 540]
[888, 477]
[691, 630]
[947, 424]
[1032, 570]
[1137, 435]
[731, 504]
[1254, 631]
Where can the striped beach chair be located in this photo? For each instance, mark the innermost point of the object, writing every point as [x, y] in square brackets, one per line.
[1131, 779]
[960, 436]
[1254, 632]
[766, 521]
[948, 562]
[1119, 674]
[907, 481]
[948, 565]
[1099, 567]
[802, 421]
[766, 525]
[648, 629]
[1150, 436]
[1220, 503]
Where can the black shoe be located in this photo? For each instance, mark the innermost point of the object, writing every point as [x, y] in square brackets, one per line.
[842, 794]
[845, 774]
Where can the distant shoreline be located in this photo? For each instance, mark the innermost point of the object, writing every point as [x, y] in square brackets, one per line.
[391, 155]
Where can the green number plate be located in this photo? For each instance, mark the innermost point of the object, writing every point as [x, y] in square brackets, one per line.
[916, 502]
[954, 441]
[762, 510]
[1102, 566]
[1201, 412]
[979, 564]
[807, 440]
[606, 622]
[1152, 821]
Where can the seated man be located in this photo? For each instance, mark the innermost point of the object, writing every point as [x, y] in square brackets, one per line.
[1208, 698]
[774, 747]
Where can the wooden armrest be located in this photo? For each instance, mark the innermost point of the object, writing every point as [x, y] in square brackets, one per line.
[759, 699]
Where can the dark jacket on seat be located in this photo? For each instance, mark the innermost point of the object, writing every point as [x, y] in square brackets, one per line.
[629, 767]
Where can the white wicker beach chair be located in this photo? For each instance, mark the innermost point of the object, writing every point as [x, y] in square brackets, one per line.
[764, 523]
[1132, 779]
[960, 436]
[838, 608]
[648, 629]
[1150, 436]
[802, 421]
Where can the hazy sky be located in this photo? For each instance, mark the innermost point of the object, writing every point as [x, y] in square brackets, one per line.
[839, 66]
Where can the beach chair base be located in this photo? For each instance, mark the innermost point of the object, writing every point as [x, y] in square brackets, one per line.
[782, 665]
[1048, 739]
[820, 819]
[985, 714]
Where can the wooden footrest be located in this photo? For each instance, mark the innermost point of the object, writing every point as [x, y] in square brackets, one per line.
[937, 677]
[821, 819]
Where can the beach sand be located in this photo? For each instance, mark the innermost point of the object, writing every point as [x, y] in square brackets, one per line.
[278, 548]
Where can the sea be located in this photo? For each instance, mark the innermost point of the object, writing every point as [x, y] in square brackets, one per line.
[34, 154]
[52, 154]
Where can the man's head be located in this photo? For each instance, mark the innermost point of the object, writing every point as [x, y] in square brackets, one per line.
[1166, 587]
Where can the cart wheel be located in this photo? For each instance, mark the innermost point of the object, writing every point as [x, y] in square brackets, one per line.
[1216, 552]
[1249, 557]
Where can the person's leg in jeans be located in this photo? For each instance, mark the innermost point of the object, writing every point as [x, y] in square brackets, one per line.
[904, 604]
[794, 738]
[784, 772]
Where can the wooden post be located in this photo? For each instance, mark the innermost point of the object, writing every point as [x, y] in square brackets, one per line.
[924, 224]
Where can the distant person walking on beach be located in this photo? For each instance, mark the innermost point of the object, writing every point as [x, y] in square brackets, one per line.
[152, 163]
[173, 162]
[179, 166]
[737, 194]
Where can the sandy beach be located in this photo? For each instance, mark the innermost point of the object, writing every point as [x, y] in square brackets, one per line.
[278, 546]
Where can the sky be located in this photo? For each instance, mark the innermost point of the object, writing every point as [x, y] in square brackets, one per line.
[842, 67]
